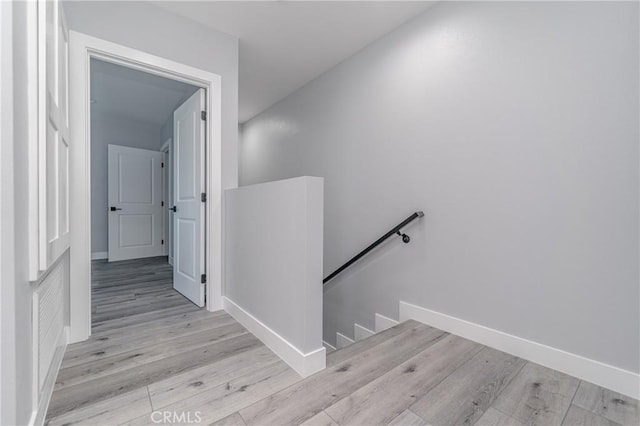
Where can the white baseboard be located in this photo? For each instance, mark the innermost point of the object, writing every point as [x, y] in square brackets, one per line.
[328, 346]
[360, 332]
[607, 376]
[303, 364]
[99, 255]
[342, 340]
[39, 414]
[382, 323]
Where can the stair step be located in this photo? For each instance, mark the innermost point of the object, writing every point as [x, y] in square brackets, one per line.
[364, 345]
[360, 332]
[343, 341]
[366, 362]
[382, 323]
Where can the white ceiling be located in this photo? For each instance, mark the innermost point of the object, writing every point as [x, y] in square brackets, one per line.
[285, 44]
[142, 97]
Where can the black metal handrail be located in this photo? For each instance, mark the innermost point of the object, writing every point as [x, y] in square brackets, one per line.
[395, 230]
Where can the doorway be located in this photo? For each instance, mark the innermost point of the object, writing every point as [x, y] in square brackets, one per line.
[195, 185]
[132, 112]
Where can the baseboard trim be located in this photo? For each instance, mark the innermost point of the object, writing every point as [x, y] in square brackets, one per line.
[39, 414]
[304, 364]
[607, 376]
[342, 340]
[99, 255]
[382, 323]
[328, 346]
[360, 332]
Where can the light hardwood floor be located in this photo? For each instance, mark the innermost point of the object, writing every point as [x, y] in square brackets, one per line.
[152, 351]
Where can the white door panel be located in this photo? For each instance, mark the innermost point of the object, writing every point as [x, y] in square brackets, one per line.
[135, 191]
[53, 134]
[188, 218]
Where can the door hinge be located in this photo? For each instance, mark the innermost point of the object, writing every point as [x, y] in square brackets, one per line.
[162, 165]
[161, 241]
[203, 278]
[203, 197]
[161, 203]
[203, 115]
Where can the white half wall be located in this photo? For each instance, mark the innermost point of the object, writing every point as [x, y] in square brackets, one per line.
[273, 269]
[514, 126]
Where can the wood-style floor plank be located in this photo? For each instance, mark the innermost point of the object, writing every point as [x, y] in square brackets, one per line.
[227, 398]
[232, 420]
[302, 401]
[75, 396]
[142, 357]
[464, 396]
[577, 416]
[112, 411]
[408, 418]
[141, 340]
[493, 417]
[537, 396]
[182, 386]
[608, 404]
[320, 419]
[371, 405]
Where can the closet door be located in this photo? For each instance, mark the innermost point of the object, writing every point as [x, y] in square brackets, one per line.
[53, 133]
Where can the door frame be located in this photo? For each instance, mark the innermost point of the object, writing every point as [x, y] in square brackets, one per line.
[82, 48]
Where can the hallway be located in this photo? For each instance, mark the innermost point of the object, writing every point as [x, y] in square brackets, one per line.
[152, 349]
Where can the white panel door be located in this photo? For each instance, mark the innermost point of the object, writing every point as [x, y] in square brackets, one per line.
[188, 185]
[135, 203]
[53, 133]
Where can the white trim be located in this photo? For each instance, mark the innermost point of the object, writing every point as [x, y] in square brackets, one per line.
[342, 340]
[360, 332]
[304, 364]
[607, 376]
[99, 255]
[39, 413]
[382, 323]
[328, 346]
[165, 145]
[83, 47]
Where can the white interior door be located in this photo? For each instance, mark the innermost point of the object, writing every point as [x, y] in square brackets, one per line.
[135, 209]
[188, 186]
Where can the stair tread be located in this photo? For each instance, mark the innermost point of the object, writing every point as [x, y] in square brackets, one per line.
[363, 345]
[365, 362]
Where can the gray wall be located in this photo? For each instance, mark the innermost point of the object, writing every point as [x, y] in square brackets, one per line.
[105, 130]
[515, 127]
[146, 27]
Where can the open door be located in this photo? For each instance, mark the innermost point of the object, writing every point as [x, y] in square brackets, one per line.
[188, 208]
[135, 203]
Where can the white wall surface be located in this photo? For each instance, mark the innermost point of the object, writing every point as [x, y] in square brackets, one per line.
[16, 351]
[274, 256]
[143, 26]
[107, 130]
[514, 126]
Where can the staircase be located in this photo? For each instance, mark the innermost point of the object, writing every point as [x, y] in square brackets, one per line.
[359, 332]
[352, 372]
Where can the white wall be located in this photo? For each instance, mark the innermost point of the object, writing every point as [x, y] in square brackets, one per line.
[143, 26]
[105, 130]
[273, 267]
[514, 126]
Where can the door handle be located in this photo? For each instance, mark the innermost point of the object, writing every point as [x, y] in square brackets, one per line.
[173, 209]
[113, 208]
